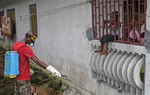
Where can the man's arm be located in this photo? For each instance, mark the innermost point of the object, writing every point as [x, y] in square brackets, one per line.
[39, 62]
[49, 68]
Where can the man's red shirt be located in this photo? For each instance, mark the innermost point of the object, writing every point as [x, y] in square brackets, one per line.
[25, 53]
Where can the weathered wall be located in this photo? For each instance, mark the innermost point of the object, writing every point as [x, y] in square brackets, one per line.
[62, 41]
[61, 38]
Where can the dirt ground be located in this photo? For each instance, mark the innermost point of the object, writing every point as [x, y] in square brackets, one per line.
[7, 88]
[41, 84]
[40, 90]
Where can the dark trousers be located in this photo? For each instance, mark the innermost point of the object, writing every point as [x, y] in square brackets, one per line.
[108, 38]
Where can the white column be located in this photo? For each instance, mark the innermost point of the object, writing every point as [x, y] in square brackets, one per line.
[147, 59]
[147, 75]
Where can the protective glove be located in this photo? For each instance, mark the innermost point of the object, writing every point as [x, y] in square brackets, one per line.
[53, 71]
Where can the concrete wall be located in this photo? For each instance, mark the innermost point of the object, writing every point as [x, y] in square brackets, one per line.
[62, 40]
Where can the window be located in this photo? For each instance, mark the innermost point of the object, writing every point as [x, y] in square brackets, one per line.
[33, 18]
[129, 14]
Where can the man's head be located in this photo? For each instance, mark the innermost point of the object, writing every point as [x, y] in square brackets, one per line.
[30, 38]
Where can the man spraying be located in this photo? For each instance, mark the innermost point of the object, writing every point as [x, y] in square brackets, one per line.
[22, 83]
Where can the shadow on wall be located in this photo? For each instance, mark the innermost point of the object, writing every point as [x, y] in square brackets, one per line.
[89, 34]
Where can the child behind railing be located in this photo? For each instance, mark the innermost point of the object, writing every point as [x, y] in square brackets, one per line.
[137, 34]
[114, 26]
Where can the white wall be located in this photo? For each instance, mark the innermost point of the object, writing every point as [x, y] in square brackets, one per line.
[62, 39]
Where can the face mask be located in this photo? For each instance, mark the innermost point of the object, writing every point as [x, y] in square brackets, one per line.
[31, 44]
